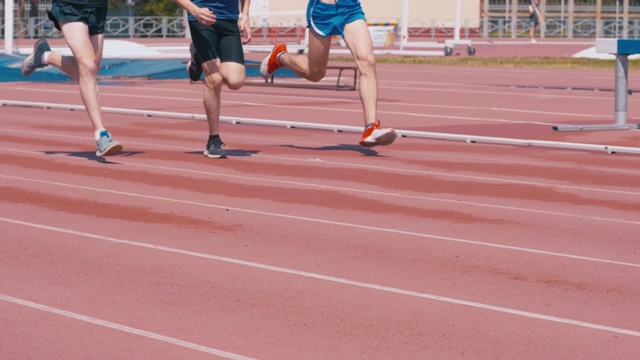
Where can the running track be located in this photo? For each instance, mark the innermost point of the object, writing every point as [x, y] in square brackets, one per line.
[304, 245]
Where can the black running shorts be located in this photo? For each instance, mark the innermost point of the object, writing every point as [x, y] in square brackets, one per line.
[94, 17]
[218, 41]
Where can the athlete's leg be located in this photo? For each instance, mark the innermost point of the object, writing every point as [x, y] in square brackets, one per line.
[65, 63]
[215, 75]
[313, 66]
[83, 66]
[214, 80]
[233, 74]
[231, 55]
[358, 40]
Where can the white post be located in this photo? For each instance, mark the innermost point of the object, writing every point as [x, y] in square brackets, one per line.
[456, 29]
[562, 19]
[506, 11]
[8, 27]
[404, 24]
[264, 20]
[617, 16]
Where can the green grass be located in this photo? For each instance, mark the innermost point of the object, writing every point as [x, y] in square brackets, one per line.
[511, 62]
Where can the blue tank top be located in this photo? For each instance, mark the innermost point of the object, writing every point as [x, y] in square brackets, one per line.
[224, 9]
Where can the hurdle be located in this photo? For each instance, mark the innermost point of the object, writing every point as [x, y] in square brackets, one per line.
[469, 139]
[339, 84]
[621, 48]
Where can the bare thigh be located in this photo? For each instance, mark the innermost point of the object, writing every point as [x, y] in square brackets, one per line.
[358, 39]
[82, 45]
[233, 74]
[319, 47]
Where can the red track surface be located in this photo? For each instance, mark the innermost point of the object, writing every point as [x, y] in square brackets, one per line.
[303, 244]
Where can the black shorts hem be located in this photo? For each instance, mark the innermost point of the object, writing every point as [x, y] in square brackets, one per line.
[221, 40]
[94, 17]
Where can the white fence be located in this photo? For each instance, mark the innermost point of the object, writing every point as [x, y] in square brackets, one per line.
[496, 22]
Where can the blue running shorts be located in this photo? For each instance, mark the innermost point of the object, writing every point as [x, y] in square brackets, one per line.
[330, 19]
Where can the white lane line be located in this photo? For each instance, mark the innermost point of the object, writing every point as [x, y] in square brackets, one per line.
[436, 155]
[441, 116]
[396, 113]
[382, 102]
[324, 108]
[544, 95]
[403, 104]
[456, 176]
[331, 222]
[124, 328]
[352, 190]
[380, 193]
[378, 168]
[479, 70]
[337, 280]
[345, 189]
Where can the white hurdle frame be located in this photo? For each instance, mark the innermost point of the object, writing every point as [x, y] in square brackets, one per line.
[621, 48]
[470, 139]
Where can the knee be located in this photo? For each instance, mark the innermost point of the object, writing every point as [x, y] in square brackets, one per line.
[213, 81]
[317, 75]
[87, 67]
[235, 84]
[367, 64]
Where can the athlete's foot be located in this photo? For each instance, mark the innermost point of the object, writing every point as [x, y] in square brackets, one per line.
[271, 63]
[34, 60]
[374, 135]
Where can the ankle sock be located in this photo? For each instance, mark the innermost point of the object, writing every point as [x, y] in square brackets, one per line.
[45, 57]
[368, 126]
[100, 133]
[279, 55]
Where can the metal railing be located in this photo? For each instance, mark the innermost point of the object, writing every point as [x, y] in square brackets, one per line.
[496, 23]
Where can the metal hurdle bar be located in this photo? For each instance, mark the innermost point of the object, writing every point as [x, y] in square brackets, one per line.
[469, 139]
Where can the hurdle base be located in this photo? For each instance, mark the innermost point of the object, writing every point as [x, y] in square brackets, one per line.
[595, 127]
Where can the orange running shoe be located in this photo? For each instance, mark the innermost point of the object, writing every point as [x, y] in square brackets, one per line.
[375, 136]
[270, 64]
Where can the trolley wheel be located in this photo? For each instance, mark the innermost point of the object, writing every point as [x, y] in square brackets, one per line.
[448, 51]
[471, 50]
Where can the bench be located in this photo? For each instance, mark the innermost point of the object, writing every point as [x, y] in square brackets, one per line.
[339, 85]
[621, 48]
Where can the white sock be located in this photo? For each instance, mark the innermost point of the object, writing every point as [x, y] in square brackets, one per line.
[45, 57]
[97, 134]
[279, 55]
